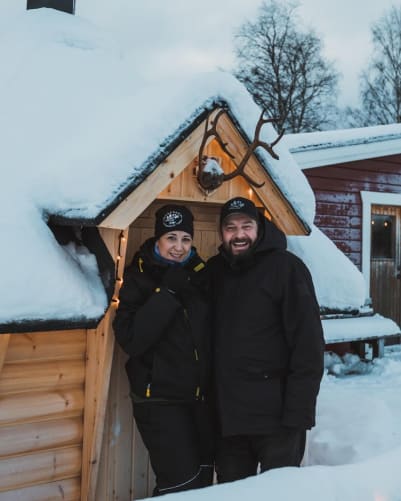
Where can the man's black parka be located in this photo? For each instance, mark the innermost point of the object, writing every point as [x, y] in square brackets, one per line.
[268, 337]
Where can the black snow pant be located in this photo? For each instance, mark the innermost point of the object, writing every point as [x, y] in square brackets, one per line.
[180, 441]
[241, 456]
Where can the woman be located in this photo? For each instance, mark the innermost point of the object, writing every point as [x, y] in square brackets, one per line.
[162, 323]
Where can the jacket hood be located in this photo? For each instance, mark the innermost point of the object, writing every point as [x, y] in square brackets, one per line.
[270, 237]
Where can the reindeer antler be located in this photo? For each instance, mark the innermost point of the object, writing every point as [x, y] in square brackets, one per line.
[212, 132]
[239, 171]
[212, 180]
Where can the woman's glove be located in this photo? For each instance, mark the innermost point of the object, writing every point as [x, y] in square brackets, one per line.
[176, 279]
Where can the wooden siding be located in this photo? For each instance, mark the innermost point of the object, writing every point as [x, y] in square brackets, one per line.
[41, 415]
[338, 202]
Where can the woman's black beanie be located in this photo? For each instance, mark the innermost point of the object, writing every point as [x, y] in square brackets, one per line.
[173, 218]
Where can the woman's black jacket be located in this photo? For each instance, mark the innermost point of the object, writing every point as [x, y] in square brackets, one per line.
[166, 336]
[268, 338]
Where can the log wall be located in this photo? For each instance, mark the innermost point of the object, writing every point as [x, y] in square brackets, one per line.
[41, 415]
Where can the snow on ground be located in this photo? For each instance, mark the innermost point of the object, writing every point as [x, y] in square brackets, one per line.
[354, 452]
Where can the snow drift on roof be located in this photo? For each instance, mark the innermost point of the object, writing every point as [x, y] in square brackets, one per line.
[78, 125]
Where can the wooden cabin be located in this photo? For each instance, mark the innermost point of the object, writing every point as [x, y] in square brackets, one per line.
[66, 426]
[355, 175]
[85, 167]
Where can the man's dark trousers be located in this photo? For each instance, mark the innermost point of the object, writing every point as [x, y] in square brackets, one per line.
[240, 456]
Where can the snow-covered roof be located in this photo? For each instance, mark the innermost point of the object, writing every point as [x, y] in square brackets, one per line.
[80, 126]
[76, 114]
[317, 149]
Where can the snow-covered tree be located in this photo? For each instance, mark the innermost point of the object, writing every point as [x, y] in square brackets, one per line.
[283, 68]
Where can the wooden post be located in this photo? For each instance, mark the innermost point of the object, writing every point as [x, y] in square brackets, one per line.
[99, 362]
[4, 339]
[378, 347]
[100, 349]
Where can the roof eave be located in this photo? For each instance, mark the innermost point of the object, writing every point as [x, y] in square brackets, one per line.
[41, 325]
[310, 157]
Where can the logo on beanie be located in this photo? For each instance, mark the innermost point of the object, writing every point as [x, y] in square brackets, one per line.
[236, 205]
[172, 218]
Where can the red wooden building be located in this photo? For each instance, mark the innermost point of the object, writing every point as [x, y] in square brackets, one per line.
[356, 177]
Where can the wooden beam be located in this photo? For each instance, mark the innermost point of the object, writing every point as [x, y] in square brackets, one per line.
[100, 350]
[29, 437]
[283, 215]
[378, 347]
[62, 490]
[42, 346]
[137, 201]
[37, 406]
[38, 376]
[39, 467]
[100, 357]
[4, 340]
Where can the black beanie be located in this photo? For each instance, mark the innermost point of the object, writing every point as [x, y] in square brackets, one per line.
[173, 218]
[239, 205]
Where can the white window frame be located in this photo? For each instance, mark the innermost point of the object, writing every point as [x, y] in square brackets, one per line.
[370, 198]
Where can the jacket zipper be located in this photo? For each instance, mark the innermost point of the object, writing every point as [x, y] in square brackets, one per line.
[196, 355]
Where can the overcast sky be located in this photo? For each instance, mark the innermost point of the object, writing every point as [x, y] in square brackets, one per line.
[177, 35]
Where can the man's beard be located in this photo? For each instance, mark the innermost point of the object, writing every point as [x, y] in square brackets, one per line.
[242, 255]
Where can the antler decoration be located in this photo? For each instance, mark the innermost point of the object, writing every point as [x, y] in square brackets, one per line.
[210, 175]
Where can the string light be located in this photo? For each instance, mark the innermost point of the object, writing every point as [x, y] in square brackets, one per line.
[118, 275]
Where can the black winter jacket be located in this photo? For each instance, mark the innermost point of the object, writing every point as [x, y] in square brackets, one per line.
[165, 336]
[268, 338]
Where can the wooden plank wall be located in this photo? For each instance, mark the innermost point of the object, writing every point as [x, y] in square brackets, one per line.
[185, 186]
[41, 416]
[338, 202]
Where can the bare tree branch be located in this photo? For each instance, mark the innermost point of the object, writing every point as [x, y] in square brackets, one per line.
[380, 82]
[284, 70]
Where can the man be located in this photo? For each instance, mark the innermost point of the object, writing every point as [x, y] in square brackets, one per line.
[268, 345]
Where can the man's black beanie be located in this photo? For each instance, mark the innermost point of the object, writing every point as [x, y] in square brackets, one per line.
[239, 205]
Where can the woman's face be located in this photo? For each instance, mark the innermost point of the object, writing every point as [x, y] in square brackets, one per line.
[175, 245]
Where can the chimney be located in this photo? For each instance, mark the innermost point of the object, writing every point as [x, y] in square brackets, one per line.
[63, 5]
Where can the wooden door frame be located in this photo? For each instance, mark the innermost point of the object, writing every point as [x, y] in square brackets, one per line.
[370, 198]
